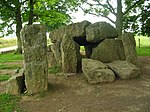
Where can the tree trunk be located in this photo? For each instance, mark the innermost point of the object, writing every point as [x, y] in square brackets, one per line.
[18, 27]
[119, 18]
[31, 3]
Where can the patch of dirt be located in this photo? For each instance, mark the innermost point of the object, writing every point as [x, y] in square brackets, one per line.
[74, 94]
[10, 71]
[19, 63]
[145, 63]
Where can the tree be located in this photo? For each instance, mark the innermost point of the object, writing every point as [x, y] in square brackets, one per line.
[10, 13]
[145, 20]
[31, 13]
[52, 13]
[105, 7]
[138, 20]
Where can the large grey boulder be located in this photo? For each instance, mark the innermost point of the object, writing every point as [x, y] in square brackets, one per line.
[130, 48]
[95, 71]
[108, 51]
[99, 31]
[35, 58]
[77, 29]
[124, 69]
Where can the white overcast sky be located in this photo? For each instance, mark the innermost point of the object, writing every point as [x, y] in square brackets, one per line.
[80, 16]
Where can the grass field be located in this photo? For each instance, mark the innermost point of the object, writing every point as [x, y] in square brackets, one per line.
[8, 103]
[10, 57]
[143, 45]
[144, 41]
[7, 42]
[4, 42]
[4, 77]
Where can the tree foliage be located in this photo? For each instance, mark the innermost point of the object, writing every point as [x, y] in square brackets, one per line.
[126, 13]
[52, 13]
[145, 20]
[7, 15]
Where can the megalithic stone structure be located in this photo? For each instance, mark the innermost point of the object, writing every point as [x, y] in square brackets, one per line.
[35, 58]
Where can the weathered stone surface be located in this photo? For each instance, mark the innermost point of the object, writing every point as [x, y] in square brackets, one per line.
[56, 38]
[16, 84]
[51, 57]
[71, 58]
[95, 71]
[57, 35]
[130, 48]
[35, 58]
[77, 29]
[108, 51]
[99, 31]
[124, 69]
[64, 44]
[88, 51]
[55, 47]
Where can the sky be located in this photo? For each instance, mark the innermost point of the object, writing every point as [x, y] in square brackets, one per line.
[80, 16]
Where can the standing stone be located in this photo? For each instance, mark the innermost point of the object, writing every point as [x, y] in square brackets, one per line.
[130, 48]
[71, 58]
[35, 58]
[51, 57]
[56, 38]
[108, 51]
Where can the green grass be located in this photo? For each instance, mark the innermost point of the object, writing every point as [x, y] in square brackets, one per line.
[144, 41]
[8, 103]
[10, 57]
[13, 42]
[82, 48]
[4, 77]
[54, 70]
[3, 66]
[144, 49]
[49, 41]
[7, 42]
